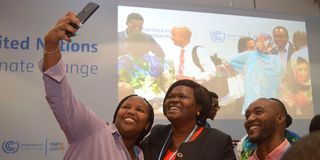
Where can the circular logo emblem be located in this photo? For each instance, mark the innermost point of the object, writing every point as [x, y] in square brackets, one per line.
[179, 154]
[10, 146]
[217, 36]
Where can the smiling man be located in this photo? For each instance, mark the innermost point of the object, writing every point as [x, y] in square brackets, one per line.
[266, 120]
[134, 24]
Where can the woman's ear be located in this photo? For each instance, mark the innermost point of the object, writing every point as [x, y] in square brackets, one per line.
[198, 109]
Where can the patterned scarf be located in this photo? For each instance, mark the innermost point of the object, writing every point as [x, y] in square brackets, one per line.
[248, 147]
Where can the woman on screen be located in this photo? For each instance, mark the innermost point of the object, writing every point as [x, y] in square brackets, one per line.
[186, 105]
[89, 136]
[296, 90]
[262, 71]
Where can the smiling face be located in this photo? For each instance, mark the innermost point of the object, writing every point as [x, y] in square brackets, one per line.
[280, 36]
[134, 25]
[251, 45]
[260, 122]
[302, 72]
[180, 105]
[264, 43]
[180, 36]
[132, 117]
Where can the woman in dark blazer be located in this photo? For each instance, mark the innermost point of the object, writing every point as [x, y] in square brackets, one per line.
[186, 106]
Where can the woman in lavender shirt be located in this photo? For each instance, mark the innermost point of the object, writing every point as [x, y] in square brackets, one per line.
[89, 136]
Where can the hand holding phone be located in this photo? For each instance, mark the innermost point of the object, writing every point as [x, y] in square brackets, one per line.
[84, 15]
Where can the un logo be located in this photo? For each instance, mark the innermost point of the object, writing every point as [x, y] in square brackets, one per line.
[217, 36]
[11, 146]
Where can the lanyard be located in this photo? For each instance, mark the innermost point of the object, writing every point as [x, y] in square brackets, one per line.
[136, 152]
[186, 140]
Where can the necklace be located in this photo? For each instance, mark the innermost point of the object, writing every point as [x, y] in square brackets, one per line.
[186, 140]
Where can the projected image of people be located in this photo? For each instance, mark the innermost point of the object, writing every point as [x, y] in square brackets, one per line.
[222, 52]
[185, 67]
[236, 92]
[296, 89]
[193, 61]
[246, 43]
[135, 24]
[141, 63]
[139, 68]
[261, 70]
[283, 47]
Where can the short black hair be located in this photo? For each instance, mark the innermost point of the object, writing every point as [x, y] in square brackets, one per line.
[242, 43]
[315, 123]
[213, 95]
[201, 95]
[284, 110]
[150, 117]
[281, 27]
[135, 16]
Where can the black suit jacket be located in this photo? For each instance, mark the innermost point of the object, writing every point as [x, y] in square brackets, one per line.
[211, 144]
[290, 51]
[155, 47]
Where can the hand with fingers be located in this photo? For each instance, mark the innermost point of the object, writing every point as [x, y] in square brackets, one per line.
[55, 34]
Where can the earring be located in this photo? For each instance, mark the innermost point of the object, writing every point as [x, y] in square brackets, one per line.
[198, 113]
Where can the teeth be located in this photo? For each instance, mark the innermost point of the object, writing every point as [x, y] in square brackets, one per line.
[174, 108]
[253, 127]
[129, 120]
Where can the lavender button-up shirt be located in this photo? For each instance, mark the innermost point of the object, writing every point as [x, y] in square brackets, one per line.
[89, 137]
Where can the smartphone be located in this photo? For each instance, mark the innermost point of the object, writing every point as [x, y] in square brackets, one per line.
[84, 15]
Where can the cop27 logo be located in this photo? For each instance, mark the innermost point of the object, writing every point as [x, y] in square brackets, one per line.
[217, 36]
[11, 146]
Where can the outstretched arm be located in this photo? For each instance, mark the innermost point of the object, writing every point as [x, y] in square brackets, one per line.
[74, 118]
[235, 65]
[156, 49]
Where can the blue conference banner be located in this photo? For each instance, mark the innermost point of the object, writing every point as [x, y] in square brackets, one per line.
[28, 128]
